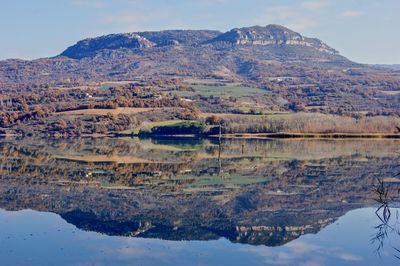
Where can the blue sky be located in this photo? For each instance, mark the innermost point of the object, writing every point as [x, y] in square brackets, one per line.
[366, 31]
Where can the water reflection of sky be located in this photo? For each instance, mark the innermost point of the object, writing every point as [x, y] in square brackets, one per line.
[34, 238]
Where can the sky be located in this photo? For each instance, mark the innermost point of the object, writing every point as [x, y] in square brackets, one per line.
[365, 31]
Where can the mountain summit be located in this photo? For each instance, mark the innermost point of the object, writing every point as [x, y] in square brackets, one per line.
[90, 46]
[138, 40]
[271, 35]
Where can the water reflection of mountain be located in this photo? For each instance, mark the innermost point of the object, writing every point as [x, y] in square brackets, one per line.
[256, 192]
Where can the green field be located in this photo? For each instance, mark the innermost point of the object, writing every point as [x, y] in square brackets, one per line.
[224, 180]
[223, 91]
[147, 126]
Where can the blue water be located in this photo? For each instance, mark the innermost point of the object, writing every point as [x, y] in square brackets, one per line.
[35, 238]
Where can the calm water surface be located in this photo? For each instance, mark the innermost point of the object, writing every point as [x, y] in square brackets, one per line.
[195, 202]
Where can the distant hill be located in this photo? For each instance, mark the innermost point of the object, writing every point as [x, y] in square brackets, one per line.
[394, 66]
[89, 47]
[139, 40]
[295, 67]
[280, 42]
[271, 35]
[198, 53]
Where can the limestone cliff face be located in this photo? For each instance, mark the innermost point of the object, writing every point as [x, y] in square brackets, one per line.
[90, 46]
[271, 35]
[137, 41]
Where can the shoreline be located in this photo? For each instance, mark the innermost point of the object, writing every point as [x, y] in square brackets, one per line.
[286, 135]
[281, 135]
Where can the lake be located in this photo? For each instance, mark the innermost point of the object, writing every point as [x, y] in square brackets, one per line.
[184, 201]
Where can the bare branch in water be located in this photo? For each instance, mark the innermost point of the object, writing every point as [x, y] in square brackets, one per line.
[384, 214]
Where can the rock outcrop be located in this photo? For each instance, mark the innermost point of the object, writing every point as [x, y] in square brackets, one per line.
[271, 35]
[91, 46]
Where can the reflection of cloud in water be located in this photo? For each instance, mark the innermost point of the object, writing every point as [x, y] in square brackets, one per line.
[300, 253]
[310, 263]
[286, 255]
[350, 257]
[140, 248]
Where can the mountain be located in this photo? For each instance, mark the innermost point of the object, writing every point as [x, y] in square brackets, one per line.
[393, 66]
[89, 47]
[271, 35]
[280, 43]
[196, 53]
[139, 40]
[183, 37]
[298, 70]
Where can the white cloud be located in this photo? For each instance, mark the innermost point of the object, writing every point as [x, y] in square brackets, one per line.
[301, 24]
[281, 12]
[311, 263]
[290, 16]
[141, 20]
[351, 14]
[315, 5]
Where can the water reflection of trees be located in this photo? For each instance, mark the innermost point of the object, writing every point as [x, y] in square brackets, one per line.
[154, 161]
[304, 185]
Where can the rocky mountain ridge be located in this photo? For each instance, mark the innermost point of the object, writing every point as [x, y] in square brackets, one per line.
[272, 35]
[137, 40]
[112, 42]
